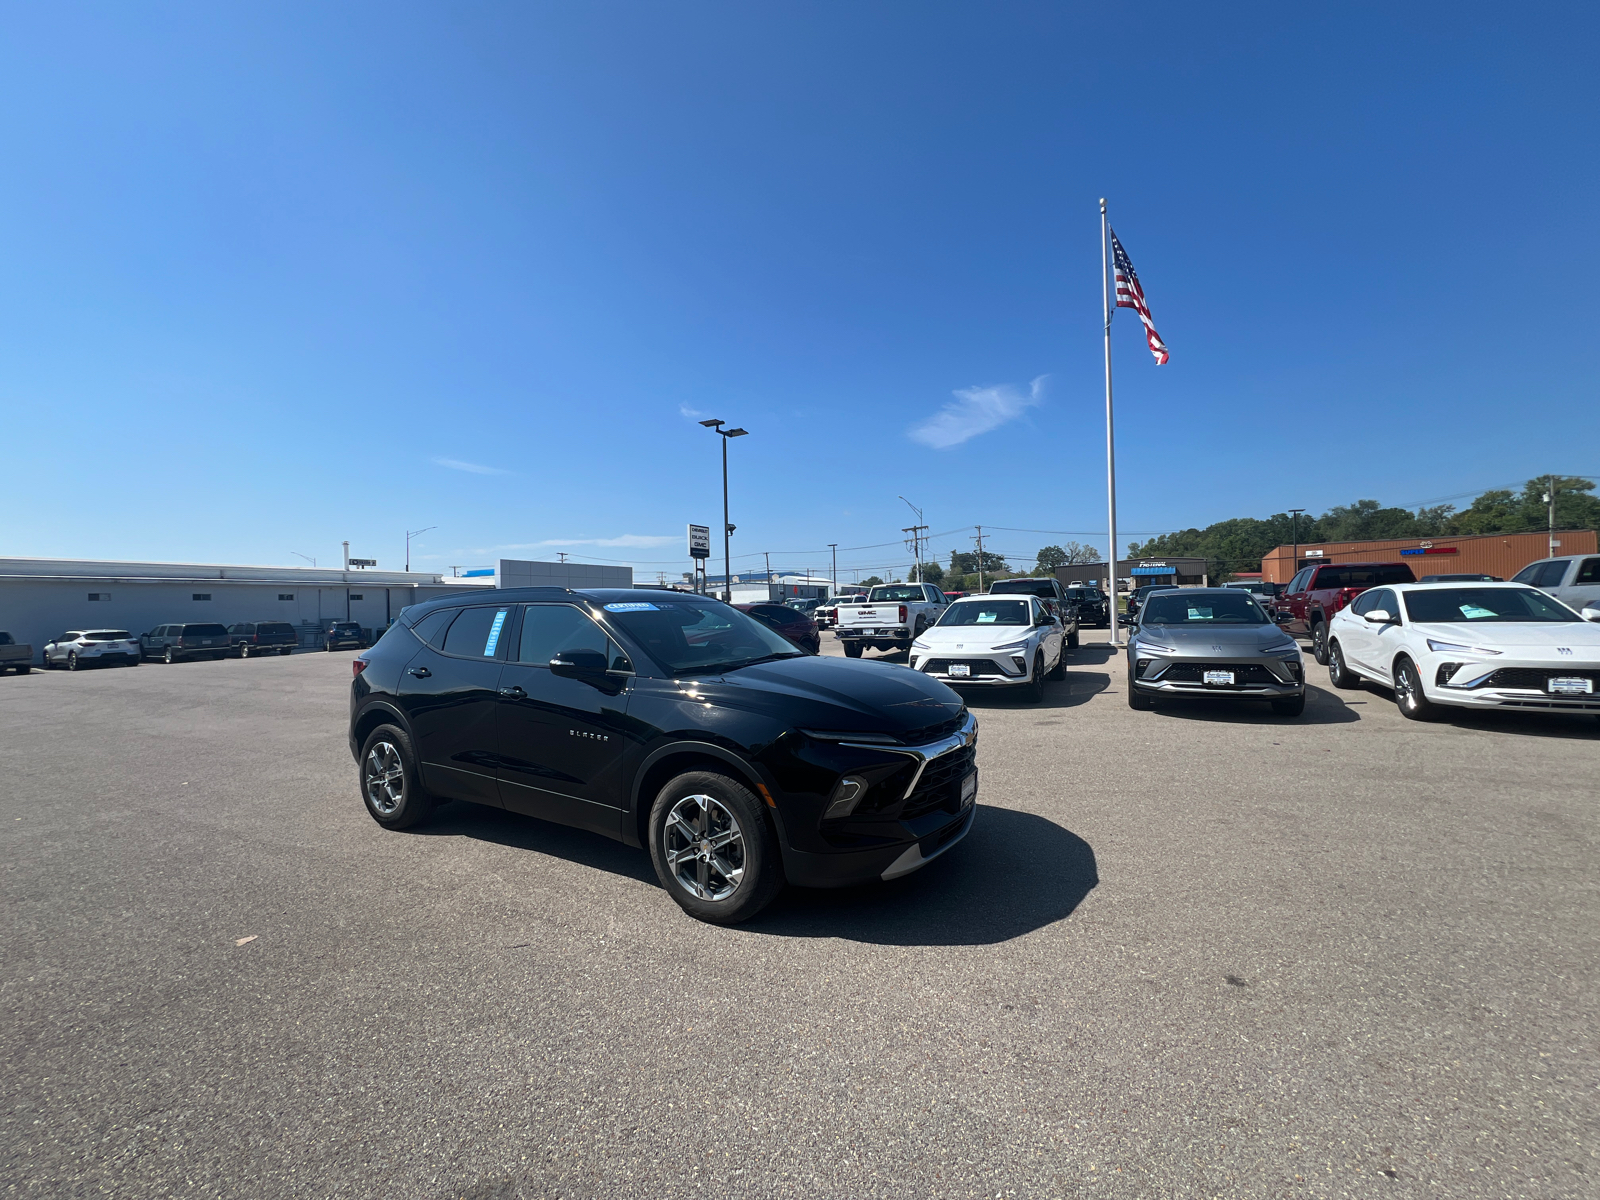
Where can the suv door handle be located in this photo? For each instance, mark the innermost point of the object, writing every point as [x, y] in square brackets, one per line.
[514, 692]
[420, 672]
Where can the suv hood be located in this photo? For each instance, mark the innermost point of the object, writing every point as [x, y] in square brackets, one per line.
[976, 637]
[1198, 640]
[821, 692]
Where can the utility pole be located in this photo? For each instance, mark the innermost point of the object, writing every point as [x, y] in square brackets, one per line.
[916, 531]
[833, 588]
[716, 426]
[411, 533]
[979, 540]
[1294, 515]
[767, 554]
[1550, 499]
[562, 555]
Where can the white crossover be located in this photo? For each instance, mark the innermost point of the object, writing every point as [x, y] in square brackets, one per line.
[91, 648]
[993, 641]
[1478, 645]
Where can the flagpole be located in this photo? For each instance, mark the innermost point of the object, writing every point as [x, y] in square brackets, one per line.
[1111, 456]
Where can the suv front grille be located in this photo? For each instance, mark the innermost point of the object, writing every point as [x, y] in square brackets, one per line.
[932, 733]
[980, 666]
[940, 785]
[1243, 673]
[1537, 678]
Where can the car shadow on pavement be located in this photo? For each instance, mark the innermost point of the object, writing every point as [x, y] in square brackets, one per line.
[1578, 726]
[506, 828]
[1322, 708]
[1079, 687]
[1014, 873]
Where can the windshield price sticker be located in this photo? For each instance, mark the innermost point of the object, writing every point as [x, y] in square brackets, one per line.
[494, 634]
[632, 606]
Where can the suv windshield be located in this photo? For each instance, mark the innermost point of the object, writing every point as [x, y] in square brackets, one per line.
[686, 636]
[1485, 604]
[1206, 608]
[986, 612]
[896, 594]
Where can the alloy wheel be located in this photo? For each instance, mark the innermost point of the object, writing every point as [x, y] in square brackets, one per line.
[383, 778]
[168, 657]
[704, 847]
[72, 660]
[1404, 690]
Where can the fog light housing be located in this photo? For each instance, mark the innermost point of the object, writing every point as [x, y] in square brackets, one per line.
[1022, 663]
[847, 793]
[1445, 673]
[1139, 666]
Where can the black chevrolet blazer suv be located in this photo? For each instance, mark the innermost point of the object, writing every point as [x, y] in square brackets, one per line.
[671, 722]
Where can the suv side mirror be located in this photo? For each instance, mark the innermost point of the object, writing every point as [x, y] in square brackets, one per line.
[579, 664]
[1590, 614]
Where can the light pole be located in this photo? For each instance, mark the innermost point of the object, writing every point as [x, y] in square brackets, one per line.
[1294, 515]
[716, 426]
[834, 590]
[307, 557]
[411, 533]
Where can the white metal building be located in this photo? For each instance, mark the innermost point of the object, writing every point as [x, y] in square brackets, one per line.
[520, 572]
[42, 597]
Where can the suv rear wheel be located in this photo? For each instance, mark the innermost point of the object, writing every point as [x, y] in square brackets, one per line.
[712, 848]
[167, 657]
[390, 786]
[244, 649]
[852, 649]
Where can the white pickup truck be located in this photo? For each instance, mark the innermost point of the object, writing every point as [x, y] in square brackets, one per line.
[891, 615]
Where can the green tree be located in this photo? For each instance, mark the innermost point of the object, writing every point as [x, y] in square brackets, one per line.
[1070, 555]
[932, 572]
[965, 562]
[871, 581]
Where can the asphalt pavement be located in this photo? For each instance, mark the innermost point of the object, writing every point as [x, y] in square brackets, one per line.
[1198, 951]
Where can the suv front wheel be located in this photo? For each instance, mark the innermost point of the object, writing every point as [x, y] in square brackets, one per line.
[713, 849]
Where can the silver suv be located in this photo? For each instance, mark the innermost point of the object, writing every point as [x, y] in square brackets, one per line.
[1573, 579]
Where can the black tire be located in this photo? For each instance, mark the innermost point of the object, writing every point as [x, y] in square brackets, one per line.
[1339, 672]
[1059, 671]
[1408, 697]
[1137, 700]
[244, 649]
[24, 668]
[328, 646]
[1072, 639]
[1319, 642]
[72, 660]
[732, 808]
[387, 762]
[852, 649]
[1033, 690]
[1290, 708]
[286, 651]
[168, 657]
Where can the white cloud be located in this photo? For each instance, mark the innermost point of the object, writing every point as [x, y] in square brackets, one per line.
[455, 464]
[694, 414]
[976, 410]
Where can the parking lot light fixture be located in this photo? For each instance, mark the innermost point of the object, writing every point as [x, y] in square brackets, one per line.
[411, 533]
[715, 424]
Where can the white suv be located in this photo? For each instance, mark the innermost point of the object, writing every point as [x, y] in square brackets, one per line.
[994, 641]
[91, 648]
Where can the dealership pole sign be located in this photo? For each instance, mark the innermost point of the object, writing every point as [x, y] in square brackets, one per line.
[700, 542]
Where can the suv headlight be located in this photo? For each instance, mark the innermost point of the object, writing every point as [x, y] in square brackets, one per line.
[1438, 647]
[1022, 645]
[919, 644]
[1148, 648]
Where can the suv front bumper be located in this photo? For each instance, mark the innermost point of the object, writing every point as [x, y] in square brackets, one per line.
[1263, 678]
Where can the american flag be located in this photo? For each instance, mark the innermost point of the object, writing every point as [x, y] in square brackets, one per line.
[1131, 295]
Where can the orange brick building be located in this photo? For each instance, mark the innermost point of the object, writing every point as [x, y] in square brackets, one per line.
[1502, 554]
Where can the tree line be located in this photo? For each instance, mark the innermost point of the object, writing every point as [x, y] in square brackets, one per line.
[1240, 543]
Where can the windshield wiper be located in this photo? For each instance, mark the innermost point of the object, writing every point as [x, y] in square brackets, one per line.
[736, 664]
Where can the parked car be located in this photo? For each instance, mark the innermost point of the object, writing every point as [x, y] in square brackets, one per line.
[1093, 607]
[890, 618]
[1574, 580]
[1317, 592]
[343, 635]
[796, 626]
[826, 614]
[994, 641]
[1482, 645]
[1258, 587]
[803, 605]
[671, 722]
[953, 596]
[91, 648]
[1461, 579]
[171, 643]
[14, 655]
[1136, 599]
[1052, 592]
[1210, 643]
[262, 637]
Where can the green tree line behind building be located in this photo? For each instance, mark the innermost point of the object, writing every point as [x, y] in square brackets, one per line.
[1239, 544]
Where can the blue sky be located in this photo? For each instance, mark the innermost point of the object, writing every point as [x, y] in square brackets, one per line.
[276, 276]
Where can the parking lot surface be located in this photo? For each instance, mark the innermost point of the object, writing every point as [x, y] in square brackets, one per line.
[1199, 951]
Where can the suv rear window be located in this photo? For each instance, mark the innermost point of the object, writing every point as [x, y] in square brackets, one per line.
[108, 635]
[1361, 577]
[274, 627]
[1023, 587]
[205, 631]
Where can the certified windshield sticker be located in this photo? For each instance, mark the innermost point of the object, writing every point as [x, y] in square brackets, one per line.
[1474, 612]
[987, 618]
[494, 634]
[632, 606]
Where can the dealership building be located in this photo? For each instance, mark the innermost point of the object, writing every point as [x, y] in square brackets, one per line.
[1136, 572]
[1501, 554]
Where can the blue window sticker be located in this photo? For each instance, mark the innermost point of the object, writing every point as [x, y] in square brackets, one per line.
[494, 634]
[632, 606]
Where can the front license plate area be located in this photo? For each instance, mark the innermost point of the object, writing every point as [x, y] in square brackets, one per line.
[969, 790]
[960, 670]
[1570, 685]
[1218, 678]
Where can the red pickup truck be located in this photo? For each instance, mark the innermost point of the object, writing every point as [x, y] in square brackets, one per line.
[1322, 589]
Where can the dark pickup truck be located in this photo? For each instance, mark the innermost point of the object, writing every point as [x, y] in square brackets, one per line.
[1317, 592]
[250, 638]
